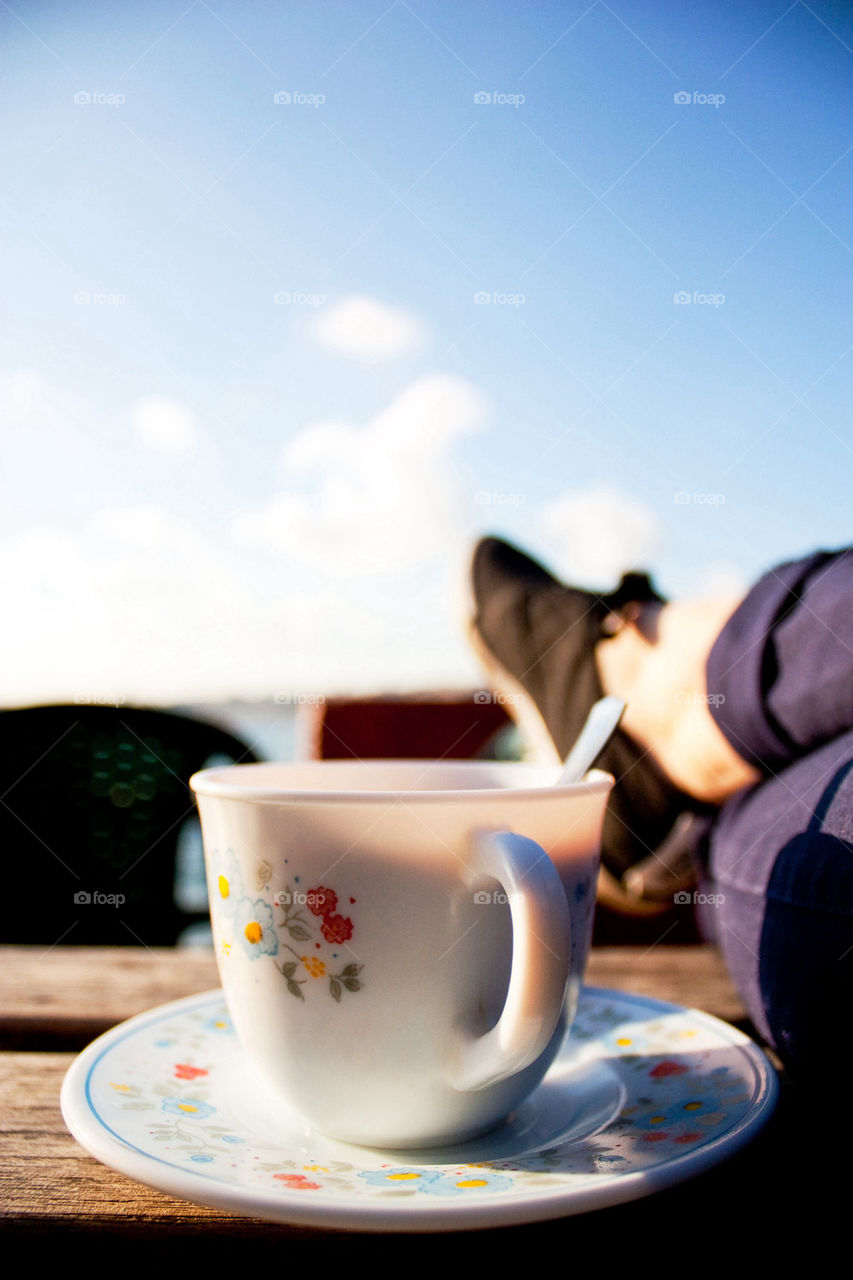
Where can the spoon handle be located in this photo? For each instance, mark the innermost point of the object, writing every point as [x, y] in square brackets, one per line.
[600, 724]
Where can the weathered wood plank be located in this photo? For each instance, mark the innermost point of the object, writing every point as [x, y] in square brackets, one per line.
[73, 992]
[65, 996]
[50, 1186]
[45, 1174]
[693, 976]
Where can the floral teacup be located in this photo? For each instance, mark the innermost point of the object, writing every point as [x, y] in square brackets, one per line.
[401, 943]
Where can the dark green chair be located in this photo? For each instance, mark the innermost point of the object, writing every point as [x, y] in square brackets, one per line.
[100, 838]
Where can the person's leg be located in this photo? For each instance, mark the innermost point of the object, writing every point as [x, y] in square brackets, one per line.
[780, 854]
[719, 693]
[781, 671]
[781, 875]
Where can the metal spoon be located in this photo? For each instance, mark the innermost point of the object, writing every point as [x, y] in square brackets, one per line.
[598, 728]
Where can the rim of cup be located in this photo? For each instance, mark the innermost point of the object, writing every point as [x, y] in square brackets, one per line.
[267, 782]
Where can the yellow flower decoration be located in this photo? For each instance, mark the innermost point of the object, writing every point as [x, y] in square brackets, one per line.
[316, 968]
[253, 931]
[224, 887]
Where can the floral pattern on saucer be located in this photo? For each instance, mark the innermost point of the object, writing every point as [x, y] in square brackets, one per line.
[163, 1085]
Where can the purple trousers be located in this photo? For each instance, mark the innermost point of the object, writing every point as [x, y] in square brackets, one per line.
[779, 855]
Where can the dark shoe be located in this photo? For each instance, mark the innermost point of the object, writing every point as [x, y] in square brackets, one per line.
[539, 637]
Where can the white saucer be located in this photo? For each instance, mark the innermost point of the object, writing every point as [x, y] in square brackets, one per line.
[643, 1094]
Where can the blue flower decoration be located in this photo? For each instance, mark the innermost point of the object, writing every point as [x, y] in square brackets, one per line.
[468, 1182]
[402, 1178]
[202, 1159]
[227, 887]
[189, 1108]
[220, 1023]
[680, 1110]
[255, 929]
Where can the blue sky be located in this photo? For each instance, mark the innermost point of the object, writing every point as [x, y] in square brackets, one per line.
[301, 298]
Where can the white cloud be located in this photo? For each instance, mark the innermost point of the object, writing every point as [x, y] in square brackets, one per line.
[138, 604]
[369, 330]
[165, 426]
[143, 606]
[596, 534]
[381, 498]
[21, 397]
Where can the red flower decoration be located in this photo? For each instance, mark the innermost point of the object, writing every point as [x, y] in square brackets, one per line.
[337, 928]
[185, 1072]
[668, 1068]
[298, 1181]
[322, 902]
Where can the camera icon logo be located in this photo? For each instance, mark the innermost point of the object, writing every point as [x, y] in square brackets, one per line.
[481, 98]
[682, 898]
[482, 696]
[82, 897]
[682, 297]
[681, 98]
[483, 897]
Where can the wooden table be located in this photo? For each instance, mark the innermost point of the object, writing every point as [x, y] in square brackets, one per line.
[54, 1002]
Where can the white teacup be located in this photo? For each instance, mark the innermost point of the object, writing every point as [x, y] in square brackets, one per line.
[399, 958]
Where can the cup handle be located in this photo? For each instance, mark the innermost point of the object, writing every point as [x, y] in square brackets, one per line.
[541, 950]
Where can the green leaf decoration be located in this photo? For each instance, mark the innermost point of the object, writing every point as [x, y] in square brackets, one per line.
[351, 971]
[335, 988]
[352, 984]
[290, 968]
[295, 988]
[299, 932]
